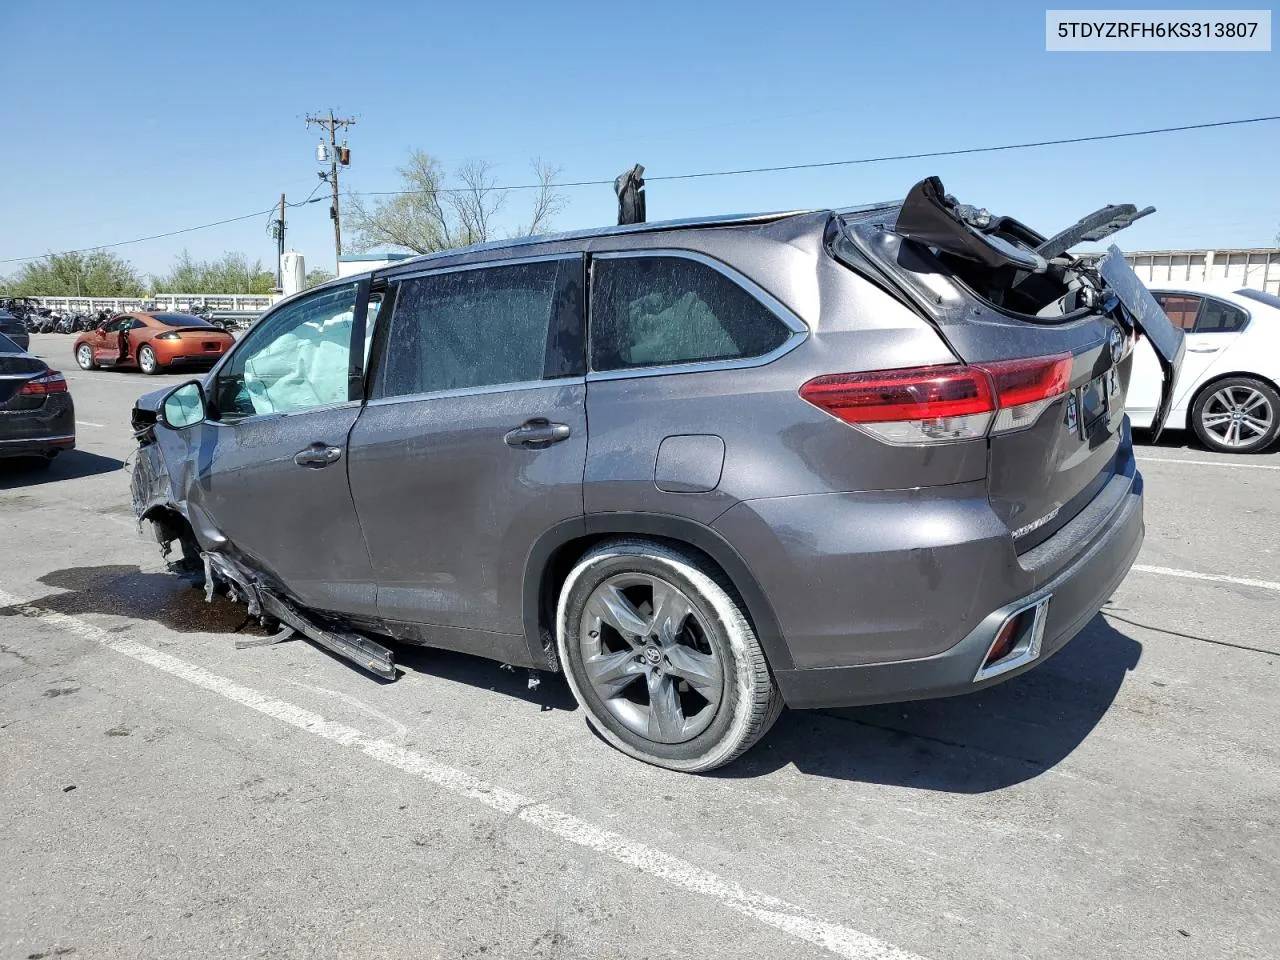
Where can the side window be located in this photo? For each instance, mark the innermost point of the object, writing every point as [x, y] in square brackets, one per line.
[137, 324]
[473, 328]
[1220, 317]
[1180, 308]
[657, 310]
[295, 359]
[116, 325]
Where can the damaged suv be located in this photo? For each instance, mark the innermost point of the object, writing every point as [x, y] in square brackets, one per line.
[703, 468]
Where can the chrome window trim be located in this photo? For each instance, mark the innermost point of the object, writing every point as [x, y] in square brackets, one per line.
[483, 265]
[799, 329]
[478, 391]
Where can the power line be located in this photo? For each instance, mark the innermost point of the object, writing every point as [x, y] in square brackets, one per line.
[861, 160]
[1094, 138]
[159, 236]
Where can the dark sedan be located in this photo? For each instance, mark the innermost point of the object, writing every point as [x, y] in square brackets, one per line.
[14, 328]
[37, 418]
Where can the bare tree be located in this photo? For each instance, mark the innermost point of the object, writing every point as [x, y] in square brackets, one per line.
[425, 215]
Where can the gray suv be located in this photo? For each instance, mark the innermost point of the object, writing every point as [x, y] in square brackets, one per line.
[702, 468]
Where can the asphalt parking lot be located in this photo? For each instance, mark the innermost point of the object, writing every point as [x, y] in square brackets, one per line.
[163, 794]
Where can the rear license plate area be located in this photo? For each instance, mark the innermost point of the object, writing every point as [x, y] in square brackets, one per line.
[212, 347]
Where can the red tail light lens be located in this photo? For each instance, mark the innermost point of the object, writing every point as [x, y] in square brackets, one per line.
[938, 404]
[1026, 387]
[51, 382]
[912, 406]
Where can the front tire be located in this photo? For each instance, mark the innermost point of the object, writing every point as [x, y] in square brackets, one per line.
[84, 357]
[147, 361]
[658, 650]
[1237, 415]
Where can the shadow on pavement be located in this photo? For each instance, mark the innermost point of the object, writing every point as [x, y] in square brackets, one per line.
[552, 693]
[66, 466]
[984, 741]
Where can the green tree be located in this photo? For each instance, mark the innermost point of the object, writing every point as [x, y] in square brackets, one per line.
[230, 273]
[428, 216]
[317, 276]
[97, 274]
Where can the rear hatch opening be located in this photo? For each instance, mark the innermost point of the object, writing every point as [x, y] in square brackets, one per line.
[999, 293]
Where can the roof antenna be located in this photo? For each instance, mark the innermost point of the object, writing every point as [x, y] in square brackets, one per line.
[630, 190]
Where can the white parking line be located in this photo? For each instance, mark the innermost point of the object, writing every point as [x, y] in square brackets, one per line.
[1212, 577]
[1209, 463]
[86, 423]
[796, 921]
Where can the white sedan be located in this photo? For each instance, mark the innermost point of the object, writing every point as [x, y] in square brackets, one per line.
[1227, 387]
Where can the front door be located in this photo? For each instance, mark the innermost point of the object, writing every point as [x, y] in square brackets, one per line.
[272, 465]
[106, 340]
[472, 444]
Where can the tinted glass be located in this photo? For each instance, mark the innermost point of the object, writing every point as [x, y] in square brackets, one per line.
[119, 323]
[1179, 308]
[181, 320]
[8, 346]
[469, 328]
[1270, 299]
[1219, 317]
[652, 311]
[295, 359]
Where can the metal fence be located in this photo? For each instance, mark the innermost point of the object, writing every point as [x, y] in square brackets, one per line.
[163, 302]
[1258, 267]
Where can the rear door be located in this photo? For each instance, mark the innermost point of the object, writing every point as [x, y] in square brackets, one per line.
[473, 441]
[1218, 325]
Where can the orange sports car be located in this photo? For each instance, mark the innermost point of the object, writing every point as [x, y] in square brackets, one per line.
[153, 342]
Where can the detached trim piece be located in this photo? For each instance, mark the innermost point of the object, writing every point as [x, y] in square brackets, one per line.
[361, 651]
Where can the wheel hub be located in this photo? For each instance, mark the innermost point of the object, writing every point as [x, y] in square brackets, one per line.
[652, 655]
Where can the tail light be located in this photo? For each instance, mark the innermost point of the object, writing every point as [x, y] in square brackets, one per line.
[168, 336]
[51, 382]
[941, 404]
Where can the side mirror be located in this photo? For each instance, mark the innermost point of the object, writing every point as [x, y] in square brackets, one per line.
[183, 406]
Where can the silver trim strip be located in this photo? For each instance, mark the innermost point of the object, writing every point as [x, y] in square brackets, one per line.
[70, 436]
[277, 415]
[799, 329]
[479, 391]
[428, 271]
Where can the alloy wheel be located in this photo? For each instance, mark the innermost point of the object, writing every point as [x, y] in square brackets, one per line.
[647, 655]
[84, 357]
[1237, 415]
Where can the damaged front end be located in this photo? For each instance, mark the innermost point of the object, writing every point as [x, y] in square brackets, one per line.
[210, 561]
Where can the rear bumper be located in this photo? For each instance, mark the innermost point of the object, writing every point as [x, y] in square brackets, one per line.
[1074, 595]
[36, 446]
[43, 431]
[178, 355]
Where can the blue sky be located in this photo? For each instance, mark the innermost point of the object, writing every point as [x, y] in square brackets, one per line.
[131, 118]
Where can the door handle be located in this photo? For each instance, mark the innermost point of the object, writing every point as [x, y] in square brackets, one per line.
[537, 434]
[318, 455]
[1203, 349]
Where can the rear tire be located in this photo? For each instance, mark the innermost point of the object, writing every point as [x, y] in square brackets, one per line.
[147, 361]
[1237, 415]
[696, 657]
[84, 357]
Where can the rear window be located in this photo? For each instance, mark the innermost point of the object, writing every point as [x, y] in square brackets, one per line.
[1270, 299]
[652, 311]
[8, 346]
[181, 320]
[1219, 317]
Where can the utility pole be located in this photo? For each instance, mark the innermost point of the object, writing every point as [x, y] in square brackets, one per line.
[337, 156]
[277, 230]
